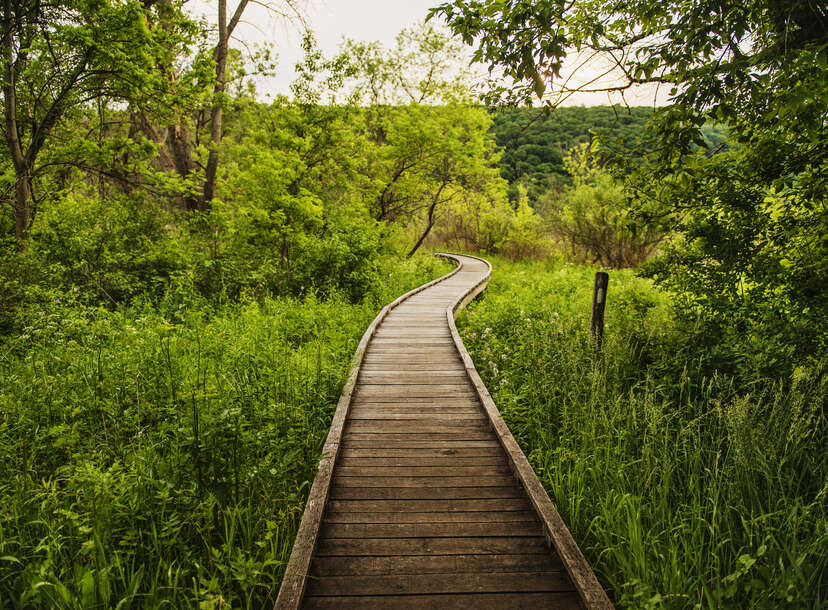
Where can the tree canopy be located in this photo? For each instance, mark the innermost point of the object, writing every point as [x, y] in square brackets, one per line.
[750, 257]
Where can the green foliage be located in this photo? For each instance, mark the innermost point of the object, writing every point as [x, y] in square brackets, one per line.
[535, 143]
[156, 457]
[749, 265]
[682, 490]
[593, 219]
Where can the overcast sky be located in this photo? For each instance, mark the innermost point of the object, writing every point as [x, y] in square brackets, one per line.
[367, 20]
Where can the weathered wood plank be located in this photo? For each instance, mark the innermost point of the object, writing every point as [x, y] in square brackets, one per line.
[436, 390]
[419, 402]
[413, 340]
[385, 426]
[453, 470]
[431, 546]
[412, 365]
[408, 378]
[480, 601]
[425, 506]
[500, 529]
[479, 449]
[408, 443]
[424, 482]
[406, 516]
[439, 416]
[339, 492]
[423, 584]
[433, 564]
[411, 438]
[442, 461]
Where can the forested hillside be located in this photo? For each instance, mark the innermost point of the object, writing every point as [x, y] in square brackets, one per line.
[186, 270]
[534, 142]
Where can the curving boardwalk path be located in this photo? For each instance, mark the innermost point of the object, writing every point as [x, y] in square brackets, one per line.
[423, 498]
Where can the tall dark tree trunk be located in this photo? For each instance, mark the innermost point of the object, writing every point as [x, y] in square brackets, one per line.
[216, 113]
[20, 161]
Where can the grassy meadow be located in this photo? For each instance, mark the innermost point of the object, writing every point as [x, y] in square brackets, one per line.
[684, 488]
[160, 457]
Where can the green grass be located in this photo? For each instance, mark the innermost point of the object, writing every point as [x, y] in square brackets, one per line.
[161, 457]
[682, 490]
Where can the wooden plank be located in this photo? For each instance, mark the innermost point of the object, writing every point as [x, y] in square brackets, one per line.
[424, 584]
[403, 377]
[479, 601]
[412, 340]
[407, 442]
[435, 326]
[386, 426]
[481, 449]
[419, 402]
[445, 505]
[385, 368]
[510, 529]
[441, 415]
[421, 408]
[412, 365]
[398, 517]
[415, 439]
[433, 564]
[424, 482]
[407, 333]
[430, 546]
[445, 460]
[436, 390]
[453, 470]
[339, 492]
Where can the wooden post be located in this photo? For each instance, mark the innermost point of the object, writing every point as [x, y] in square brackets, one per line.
[599, 300]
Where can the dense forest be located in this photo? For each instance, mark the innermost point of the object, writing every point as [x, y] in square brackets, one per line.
[186, 270]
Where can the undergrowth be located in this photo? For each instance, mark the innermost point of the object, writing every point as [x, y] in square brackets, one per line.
[161, 456]
[684, 488]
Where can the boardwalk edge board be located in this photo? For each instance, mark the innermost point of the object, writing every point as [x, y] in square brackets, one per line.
[557, 534]
[295, 580]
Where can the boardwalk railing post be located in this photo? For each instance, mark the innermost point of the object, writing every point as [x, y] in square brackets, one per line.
[599, 300]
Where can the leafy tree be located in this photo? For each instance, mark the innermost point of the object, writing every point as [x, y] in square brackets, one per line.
[425, 147]
[58, 57]
[594, 220]
[753, 218]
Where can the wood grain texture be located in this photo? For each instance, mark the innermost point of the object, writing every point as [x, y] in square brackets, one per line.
[483, 601]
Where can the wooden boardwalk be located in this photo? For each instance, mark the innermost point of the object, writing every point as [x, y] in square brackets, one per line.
[423, 499]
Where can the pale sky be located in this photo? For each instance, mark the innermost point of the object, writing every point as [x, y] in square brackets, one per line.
[365, 20]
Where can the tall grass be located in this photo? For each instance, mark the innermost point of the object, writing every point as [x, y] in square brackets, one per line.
[684, 489]
[161, 457]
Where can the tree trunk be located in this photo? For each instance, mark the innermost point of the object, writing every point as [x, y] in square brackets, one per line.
[422, 237]
[430, 223]
[22, 209]
[22, 195]
[182, 154]
[216, 113]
